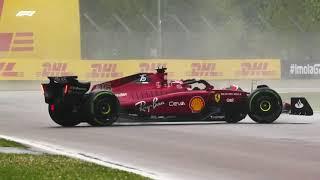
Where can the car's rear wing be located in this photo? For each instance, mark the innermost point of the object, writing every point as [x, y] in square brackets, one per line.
[60, 88]
[298, 106]
[62, 79]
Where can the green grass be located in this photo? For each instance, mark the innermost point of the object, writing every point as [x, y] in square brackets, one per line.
[7, 143]
[23, 166]
[45, 166]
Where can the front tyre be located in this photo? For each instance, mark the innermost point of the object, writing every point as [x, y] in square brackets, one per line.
[102, 108]
[63, 115]
[265, 105]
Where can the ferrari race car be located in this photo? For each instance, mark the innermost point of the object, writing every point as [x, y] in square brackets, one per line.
[151, 97]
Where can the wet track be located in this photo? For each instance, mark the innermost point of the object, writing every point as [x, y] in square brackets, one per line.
[288, 149]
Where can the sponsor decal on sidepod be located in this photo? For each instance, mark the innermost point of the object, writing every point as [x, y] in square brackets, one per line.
[196, 104]
[121, 94]
[175, 104]
[143, 107]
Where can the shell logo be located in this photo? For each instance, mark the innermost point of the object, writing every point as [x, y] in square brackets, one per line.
[196, 104]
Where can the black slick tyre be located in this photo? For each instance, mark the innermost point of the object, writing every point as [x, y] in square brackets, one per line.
[102, 108]
[63, 115]
[265, 105]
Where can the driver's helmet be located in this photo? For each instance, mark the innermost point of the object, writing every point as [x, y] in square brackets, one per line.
[234, 87]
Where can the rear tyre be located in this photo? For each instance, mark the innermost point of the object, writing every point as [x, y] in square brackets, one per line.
[102, 108]
[63, 115]
[265, 105]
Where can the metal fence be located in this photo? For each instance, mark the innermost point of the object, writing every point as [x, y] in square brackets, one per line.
[204, 45]
[188, 34]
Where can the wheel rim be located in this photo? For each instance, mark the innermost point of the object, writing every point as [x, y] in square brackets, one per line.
[265, 106]
[105, 109]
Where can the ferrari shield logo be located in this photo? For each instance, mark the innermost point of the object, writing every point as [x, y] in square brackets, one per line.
[217, 97]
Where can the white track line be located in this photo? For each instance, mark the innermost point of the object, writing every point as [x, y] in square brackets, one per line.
[78, 155]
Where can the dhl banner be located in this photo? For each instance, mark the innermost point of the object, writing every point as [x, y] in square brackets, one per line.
[98, 70]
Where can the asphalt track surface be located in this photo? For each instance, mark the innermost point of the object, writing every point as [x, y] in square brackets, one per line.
[288, 149]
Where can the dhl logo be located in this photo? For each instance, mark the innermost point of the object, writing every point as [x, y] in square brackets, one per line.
[17, 42]
[204, 69]
[150, 67]
[104, 71]
[54, 69]
[7, 70]
[255, 69]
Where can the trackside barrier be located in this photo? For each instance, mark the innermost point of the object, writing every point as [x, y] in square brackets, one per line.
[101, 70]
[300, 70]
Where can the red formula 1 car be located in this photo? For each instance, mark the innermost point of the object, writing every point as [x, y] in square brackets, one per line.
[151, 97]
